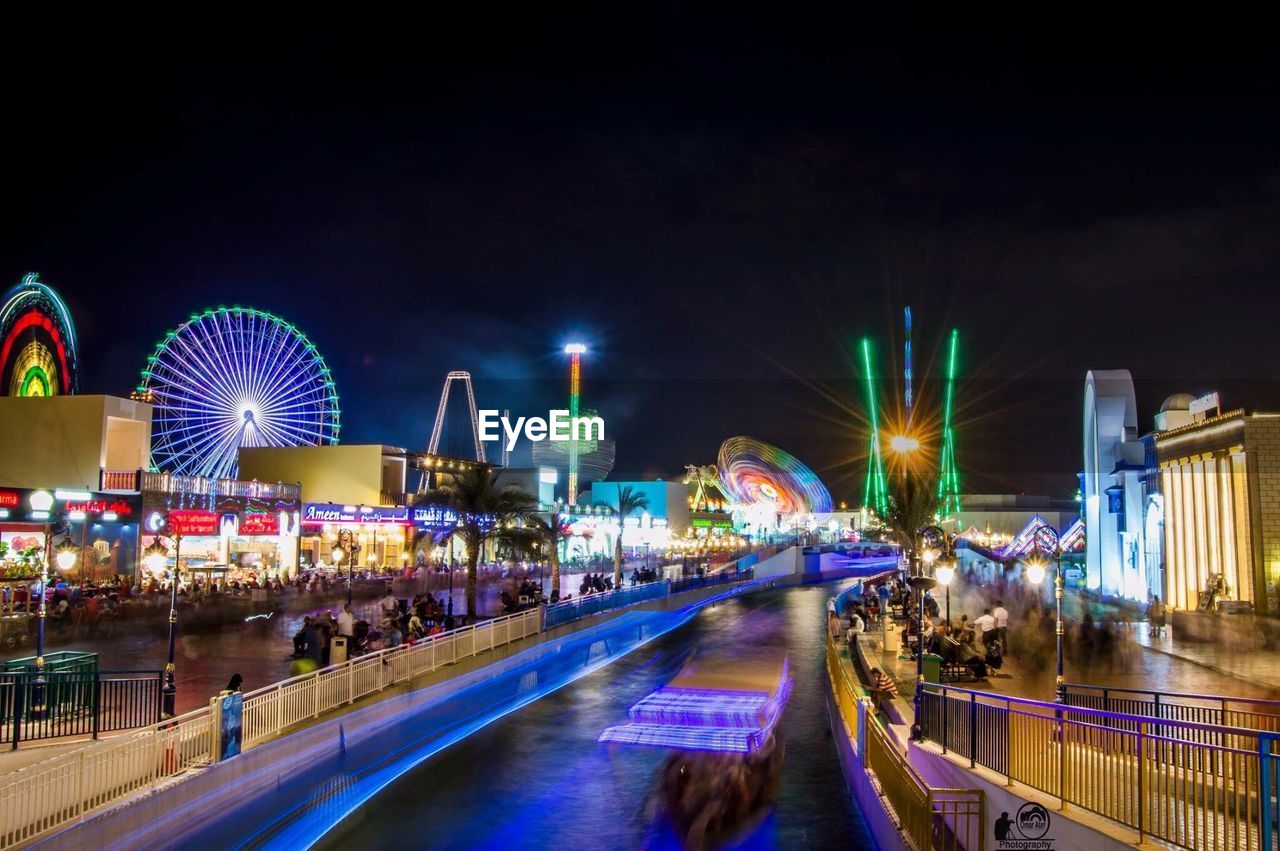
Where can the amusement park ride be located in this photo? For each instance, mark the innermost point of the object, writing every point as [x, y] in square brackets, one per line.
[907, 437]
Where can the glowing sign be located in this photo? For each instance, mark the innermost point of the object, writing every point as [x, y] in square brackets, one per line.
[190, 521]
[9, 499]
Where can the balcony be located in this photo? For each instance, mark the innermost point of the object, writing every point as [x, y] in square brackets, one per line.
[119, 481]
[199, 486]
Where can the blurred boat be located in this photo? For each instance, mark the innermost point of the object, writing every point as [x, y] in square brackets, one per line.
[720, 719]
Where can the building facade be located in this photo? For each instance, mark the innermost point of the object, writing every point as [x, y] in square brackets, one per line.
[1220, 483]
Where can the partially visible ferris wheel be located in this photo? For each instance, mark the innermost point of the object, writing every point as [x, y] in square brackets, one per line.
[234, 377]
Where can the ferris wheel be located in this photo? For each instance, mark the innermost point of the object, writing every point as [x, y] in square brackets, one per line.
[234, 377]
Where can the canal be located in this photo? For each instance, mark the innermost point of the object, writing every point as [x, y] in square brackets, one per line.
[536, 778]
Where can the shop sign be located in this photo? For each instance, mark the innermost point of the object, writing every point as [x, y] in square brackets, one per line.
[191, 521]
[10, 499]
[706, 523]
[1205, 403]
[259, 523]
[437, 518]
[327, 512]
[122, 508]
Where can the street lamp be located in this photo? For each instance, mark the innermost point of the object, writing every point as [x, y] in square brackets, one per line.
[1035, 574]
[66, 557]
[346, 547]
[920, 582]
[157, 559]
[945, 573]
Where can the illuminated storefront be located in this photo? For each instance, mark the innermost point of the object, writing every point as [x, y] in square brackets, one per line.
[238, 529]
[101, 527]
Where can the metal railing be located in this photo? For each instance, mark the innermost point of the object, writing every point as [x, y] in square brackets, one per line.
[688, 583]
[201, 486]
[1189, 784]
[1214, 710]
[53, 793]
[946, 819]
[606, 601]
[76, 703]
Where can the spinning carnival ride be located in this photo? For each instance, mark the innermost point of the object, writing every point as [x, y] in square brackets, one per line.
[37, 342]
[763, 479]
[234, 377]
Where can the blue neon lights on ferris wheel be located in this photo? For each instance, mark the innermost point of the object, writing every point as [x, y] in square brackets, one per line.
[231, 378]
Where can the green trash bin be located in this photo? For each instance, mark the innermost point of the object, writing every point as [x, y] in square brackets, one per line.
[932, 668]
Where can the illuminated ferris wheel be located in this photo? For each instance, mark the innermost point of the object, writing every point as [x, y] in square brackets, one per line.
[235, 377]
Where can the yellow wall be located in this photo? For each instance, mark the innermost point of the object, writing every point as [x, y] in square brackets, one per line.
[62, 441]
[346, 475]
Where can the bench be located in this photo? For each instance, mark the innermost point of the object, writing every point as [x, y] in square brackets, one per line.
[970, 671]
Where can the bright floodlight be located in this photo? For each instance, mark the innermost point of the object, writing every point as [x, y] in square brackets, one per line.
[944, 575]
[575, 348]
[338, 554]
[902, 443]
[1035, 572]
[66, 558]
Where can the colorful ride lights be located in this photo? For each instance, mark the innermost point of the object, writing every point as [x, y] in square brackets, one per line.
[757, 472]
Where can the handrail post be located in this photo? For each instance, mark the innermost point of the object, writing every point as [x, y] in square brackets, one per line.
[973, 729]
[1062, 760]
[1142, 770]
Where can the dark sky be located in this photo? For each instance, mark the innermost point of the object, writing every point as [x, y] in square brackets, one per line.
[719, 206]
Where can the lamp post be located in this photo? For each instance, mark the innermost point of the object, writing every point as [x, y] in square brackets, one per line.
[1036, 568]
[346, 547]
[157, 559]
[921, 582]
[945, 573]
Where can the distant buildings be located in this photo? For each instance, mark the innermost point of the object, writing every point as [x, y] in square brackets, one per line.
[1189, 511]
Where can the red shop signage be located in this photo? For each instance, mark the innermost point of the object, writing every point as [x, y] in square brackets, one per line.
[188, 521]
[259, 523]
[101, 506]
[10, 499]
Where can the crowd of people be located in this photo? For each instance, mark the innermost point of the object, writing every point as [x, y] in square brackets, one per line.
[976, 647]
[399, 621]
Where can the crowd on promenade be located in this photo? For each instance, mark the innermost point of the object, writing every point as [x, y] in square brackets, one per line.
[989, 623]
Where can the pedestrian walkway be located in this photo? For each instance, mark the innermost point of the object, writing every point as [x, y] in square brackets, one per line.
[1260, 667]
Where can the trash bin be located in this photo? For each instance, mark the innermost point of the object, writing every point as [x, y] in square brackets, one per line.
[932, 668]
[338, 650]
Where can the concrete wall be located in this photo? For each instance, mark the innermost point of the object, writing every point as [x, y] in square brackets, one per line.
[65, 441]
[345, 475]
[786, 563]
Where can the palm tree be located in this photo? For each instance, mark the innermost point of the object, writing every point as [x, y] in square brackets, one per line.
[913, 507]
[629, 501]
[484, 512]
[538, 538]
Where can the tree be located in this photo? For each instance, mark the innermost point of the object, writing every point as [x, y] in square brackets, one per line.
[538, 538]
[484, 512]
[913, 507]
[629, 501]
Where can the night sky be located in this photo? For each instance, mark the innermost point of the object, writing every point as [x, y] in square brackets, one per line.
[720, 207]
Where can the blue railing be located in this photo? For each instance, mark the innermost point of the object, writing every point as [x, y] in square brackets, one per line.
[594, 604]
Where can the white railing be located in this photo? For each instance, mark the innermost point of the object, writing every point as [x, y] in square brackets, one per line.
[53, 793]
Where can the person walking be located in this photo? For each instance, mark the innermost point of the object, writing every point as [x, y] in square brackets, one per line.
[1001, 614]
[986, 628]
